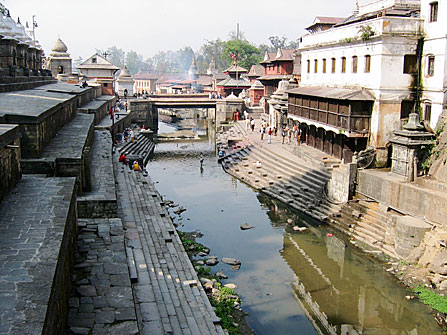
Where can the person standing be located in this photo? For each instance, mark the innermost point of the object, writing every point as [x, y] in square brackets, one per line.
[252, 124]
[283, 134]
[289, 135]
[270, 135]
[298, 135]
[262, 131]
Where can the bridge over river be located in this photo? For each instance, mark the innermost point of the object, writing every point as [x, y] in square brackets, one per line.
[145, 111]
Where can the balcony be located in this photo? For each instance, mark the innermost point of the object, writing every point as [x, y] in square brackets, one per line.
[340, 110]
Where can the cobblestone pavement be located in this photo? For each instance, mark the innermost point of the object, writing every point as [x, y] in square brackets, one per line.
[101, 300]
[168, 295]
[33, 222]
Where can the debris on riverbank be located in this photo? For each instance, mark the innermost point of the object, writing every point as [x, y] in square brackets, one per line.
[223, 298]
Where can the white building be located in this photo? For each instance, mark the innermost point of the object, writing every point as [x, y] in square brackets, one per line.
[434, 61]
[359, 78]
[124, 85]
[99, 69]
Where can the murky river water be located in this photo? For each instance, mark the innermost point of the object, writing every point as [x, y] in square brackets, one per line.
[290, 282]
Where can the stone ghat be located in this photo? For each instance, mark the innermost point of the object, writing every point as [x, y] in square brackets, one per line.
[280, 174]
[169, 298]
[65, 155]
[37, 234]
[42, 112]
[101, 201]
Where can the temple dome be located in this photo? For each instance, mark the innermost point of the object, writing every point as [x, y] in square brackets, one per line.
[59, 46]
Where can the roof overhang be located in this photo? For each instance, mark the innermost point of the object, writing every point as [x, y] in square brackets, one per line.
[334, 93]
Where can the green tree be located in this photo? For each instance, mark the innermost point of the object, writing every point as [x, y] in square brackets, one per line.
[3, 9]
[209, 51]
[116, 56]
[134, 62]
[248, 54]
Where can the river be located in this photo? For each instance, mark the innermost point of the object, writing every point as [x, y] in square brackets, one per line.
[309, 282]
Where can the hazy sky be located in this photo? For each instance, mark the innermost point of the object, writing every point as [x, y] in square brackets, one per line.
[148, 26]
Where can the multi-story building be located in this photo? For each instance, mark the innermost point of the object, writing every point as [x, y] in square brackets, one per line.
[277, 66]
[359, 79]
[434, 60]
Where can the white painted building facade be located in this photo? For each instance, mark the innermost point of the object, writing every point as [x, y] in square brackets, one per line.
[383, 63]
[434, 61]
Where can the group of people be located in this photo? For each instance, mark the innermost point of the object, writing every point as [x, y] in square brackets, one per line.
[215, 95]
[132, 165]
[290, 132]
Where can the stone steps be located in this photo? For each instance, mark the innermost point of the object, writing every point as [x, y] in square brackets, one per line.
[364, 221]
[169, 296]
[143, 147]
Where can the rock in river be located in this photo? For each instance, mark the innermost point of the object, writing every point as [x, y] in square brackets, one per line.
[246, 226]
[180, 210]
[211, 261]
[231, 261]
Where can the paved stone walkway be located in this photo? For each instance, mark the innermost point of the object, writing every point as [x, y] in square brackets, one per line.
[168, 295]
[101, 300]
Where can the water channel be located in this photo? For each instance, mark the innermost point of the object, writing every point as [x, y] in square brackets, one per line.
[290, 282]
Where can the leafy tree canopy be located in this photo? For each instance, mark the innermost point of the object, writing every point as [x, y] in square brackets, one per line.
[248, 54]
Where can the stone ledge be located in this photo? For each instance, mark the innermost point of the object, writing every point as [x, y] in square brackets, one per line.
[38, 222]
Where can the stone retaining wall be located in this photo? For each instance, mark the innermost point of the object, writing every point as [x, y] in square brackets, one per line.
[397, 193]
[10, 168]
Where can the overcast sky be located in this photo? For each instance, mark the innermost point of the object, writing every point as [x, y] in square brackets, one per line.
[148, 26]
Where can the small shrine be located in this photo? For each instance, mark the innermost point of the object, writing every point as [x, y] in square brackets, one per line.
[410, 148]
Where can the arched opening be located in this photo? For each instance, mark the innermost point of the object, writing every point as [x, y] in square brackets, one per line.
[60, 69]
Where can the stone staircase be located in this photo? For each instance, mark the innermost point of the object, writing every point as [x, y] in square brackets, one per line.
[280, 175]
[365, 221]
[141, 149]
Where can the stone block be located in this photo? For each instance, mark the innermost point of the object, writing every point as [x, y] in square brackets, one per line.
[409, 232]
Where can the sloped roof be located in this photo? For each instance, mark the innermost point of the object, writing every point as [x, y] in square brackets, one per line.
[236, 68]
[333, 93]
[230, 82]
[255, 70]
[325, 21]
[100, 63]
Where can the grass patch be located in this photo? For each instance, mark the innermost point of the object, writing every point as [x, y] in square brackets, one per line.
[434, 300]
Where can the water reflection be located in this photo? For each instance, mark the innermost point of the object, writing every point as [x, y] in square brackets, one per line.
[290, 282]
[342, 291]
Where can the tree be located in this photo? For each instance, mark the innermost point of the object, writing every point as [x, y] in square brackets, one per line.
[134, 62]
[116, 56]
[209, 51]
[3, 9]
[248, 54]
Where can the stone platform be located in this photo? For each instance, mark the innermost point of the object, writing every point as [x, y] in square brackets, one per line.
[101, 200]
[37, 234]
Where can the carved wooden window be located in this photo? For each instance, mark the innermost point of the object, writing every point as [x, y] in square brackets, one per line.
[324, 65]
[343, 64]
[333, 65]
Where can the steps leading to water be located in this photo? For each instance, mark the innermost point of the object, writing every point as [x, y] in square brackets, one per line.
[281, 175]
